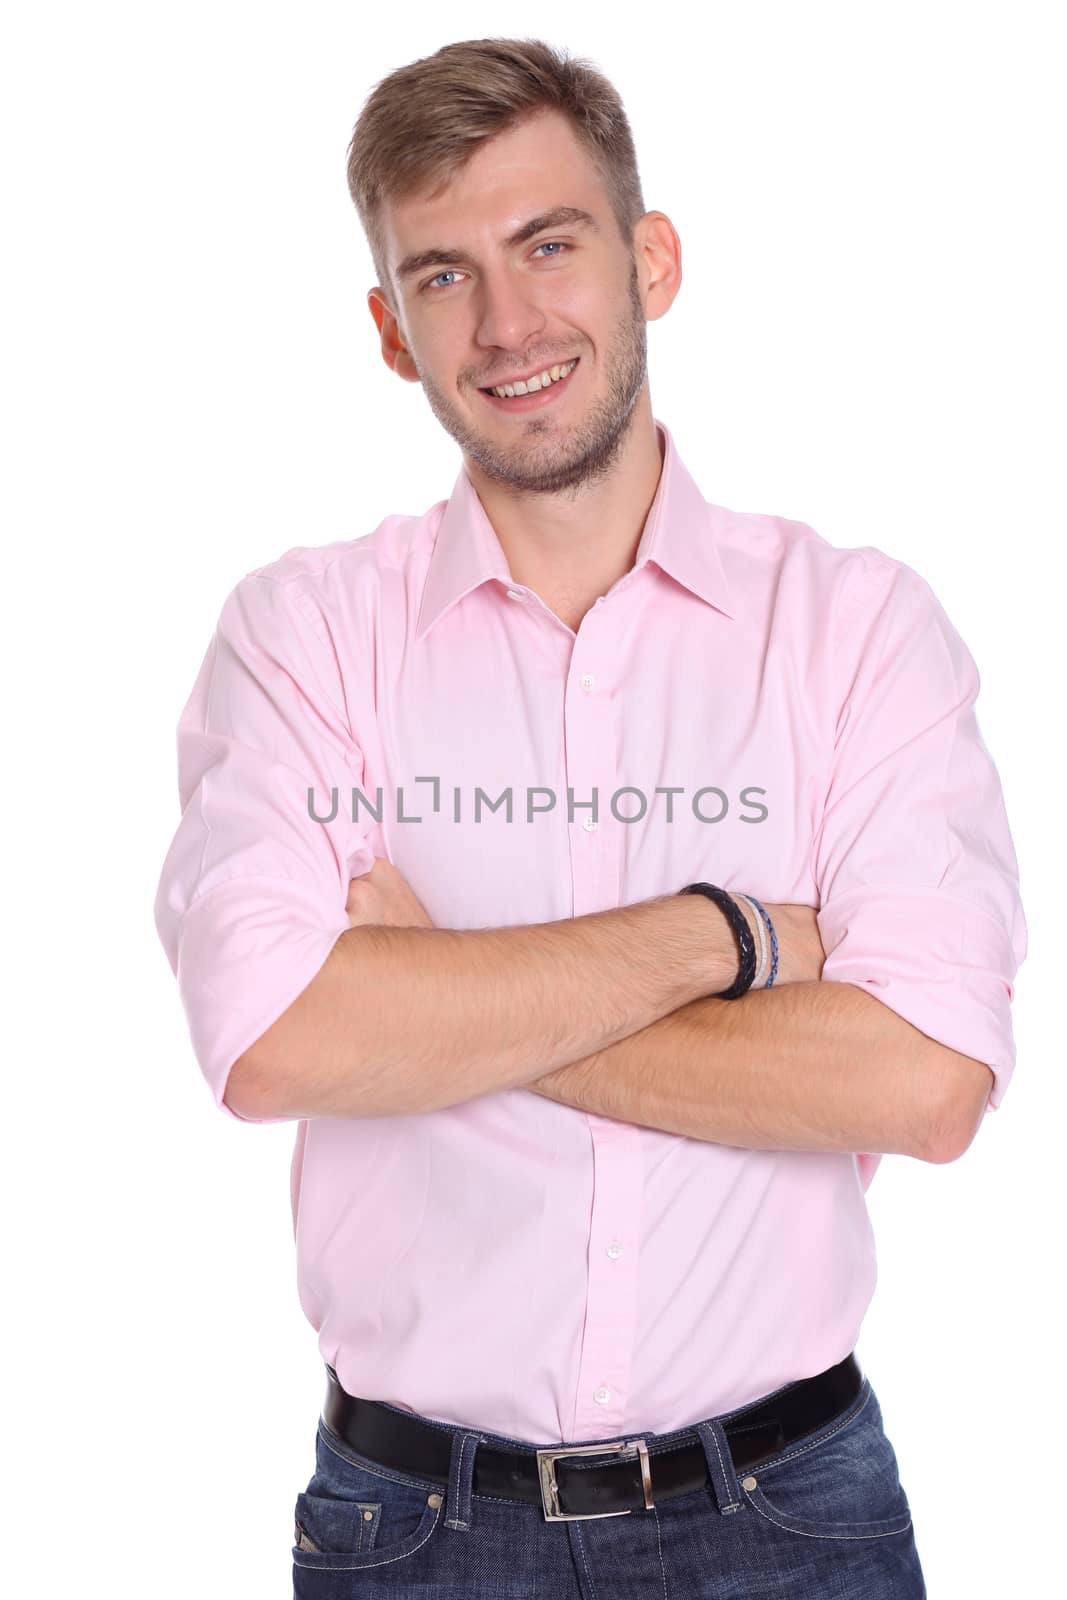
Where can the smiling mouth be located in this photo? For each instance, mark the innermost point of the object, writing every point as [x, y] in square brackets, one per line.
[526, 393]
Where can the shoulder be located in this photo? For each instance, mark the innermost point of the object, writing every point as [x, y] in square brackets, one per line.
[345, 564]
[345, 580]
[798, 569]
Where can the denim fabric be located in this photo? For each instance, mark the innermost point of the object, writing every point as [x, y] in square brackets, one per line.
[825, 1517]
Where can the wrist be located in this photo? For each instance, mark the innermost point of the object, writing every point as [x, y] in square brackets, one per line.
[764, 946]
[713, 958]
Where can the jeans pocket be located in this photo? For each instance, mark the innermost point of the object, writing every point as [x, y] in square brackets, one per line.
[838, 1482]
[354, 1515]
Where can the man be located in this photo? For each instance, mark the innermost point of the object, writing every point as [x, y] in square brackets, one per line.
[581, 1159]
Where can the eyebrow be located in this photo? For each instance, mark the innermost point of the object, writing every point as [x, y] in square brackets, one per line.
[558, 217]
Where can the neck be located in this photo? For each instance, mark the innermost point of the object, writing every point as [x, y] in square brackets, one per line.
[572, 547]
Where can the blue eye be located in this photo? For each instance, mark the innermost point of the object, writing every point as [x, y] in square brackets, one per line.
[558, 243]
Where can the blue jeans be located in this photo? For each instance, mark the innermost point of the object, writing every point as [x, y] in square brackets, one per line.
[825, 1517]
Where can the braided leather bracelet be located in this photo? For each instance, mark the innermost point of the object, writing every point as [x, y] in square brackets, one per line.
[762, 909]
[761, 964]
[742, 933]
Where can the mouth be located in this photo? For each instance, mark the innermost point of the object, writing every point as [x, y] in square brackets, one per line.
[536, 399]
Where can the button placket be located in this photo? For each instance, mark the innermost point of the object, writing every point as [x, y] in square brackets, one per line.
[611, 1296]
[605, 1360]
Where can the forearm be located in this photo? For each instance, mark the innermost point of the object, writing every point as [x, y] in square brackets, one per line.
[810, 1066]
[400, 1019]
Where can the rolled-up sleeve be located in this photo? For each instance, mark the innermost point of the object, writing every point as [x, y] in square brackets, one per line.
[914, 861]
[252, 894]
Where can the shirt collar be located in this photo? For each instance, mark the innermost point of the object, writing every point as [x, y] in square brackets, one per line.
[678, 536]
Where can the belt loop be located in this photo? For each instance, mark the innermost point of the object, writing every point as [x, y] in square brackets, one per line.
[721, 1467]
[460, 1479]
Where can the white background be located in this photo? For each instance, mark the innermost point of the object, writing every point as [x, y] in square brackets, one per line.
[869, 338]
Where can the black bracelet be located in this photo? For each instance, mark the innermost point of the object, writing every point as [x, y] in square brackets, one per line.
[746, 945]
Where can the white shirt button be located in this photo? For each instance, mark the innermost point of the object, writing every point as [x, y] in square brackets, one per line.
[614, 1251]
[601, 1396]
[588, 682]
[513, 594]
[589, 825]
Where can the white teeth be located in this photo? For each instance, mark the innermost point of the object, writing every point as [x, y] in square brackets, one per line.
[532, 385]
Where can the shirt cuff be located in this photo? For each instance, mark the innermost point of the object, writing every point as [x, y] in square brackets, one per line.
[942, 963]
[246, 950]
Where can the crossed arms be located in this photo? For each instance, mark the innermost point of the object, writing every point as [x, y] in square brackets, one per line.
[886, 1030]
[404, 1017]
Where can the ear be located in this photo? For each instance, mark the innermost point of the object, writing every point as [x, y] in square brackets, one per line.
[658, 255]
[394, 351]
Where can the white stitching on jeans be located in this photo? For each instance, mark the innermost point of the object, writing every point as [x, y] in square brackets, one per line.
[801, 1533]
[468, 1439]
[659, 1541]
[577, 1526]
[731, 1505]
[351, 1566]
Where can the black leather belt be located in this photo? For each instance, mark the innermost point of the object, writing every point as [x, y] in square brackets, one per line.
[647, 1469]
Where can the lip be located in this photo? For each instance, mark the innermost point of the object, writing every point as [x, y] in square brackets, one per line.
[532, 402]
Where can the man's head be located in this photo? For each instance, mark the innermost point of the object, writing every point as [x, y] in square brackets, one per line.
[453, 159]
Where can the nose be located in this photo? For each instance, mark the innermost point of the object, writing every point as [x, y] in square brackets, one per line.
[509, 316]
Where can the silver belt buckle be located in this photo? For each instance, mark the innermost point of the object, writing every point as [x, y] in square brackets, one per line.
[546, 1472]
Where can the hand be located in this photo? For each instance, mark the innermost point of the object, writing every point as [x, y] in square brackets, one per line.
[383, 897]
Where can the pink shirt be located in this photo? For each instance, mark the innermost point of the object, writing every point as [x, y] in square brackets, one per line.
[509, 1262]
